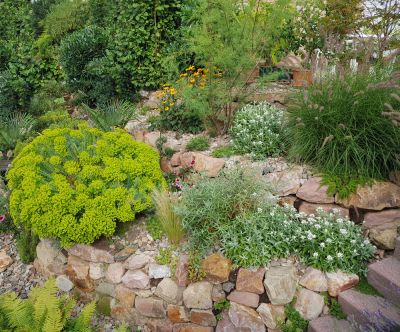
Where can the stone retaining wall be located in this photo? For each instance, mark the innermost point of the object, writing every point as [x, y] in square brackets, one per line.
[131, 287]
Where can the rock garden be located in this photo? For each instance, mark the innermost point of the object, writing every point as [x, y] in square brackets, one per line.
[200, 166]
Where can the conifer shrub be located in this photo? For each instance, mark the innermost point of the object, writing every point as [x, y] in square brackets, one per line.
[75, 185]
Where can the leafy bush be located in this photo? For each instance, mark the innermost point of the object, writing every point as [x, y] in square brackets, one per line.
[213, 203]
[258, 130]
[224, 151]
[6, 224]
[112, 114]
[77, 53]
[76, 184]
[26, 244]
[15, 128]
[178, 119]
[154, 227]
[48, 98]
[43, 311]
[170, 221]
[57, 119]
[199, 143]
[294, 322]
[338, 127]
[326, 241]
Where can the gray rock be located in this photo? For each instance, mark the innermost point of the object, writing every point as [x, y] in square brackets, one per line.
[198, 295]
[271, 314]
[136, 262]
[245, 318]
[169, 291]
[280, 283]
[63, 283]
[106, 288]
[136, 279]
[309, 304]
[157, 271]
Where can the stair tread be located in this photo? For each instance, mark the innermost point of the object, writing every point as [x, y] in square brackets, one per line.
[370, 311]
[329, 323]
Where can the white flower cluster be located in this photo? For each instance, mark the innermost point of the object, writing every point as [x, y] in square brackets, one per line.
[257, 130]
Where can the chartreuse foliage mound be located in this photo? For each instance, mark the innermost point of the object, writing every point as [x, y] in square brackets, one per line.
[76, 184]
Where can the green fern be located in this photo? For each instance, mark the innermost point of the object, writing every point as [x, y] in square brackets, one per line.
[43, 311]
[112, 114]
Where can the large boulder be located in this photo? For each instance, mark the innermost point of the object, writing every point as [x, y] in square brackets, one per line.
[285, 182]
[91, 254]
[271, 314]
[5, 261]
[245, 298]
[378, 196]
[49, 260]
[309, 304]
[136, 262]
[245, 318]
[314, 192]
[136, 279]
[200, 162]
[340, 281]
[150, 307]
[311, 208]
[382, 227]
[77, 271]
[315, 280]
[280, 283]
[169, 291]
[115, 273]
[250, 280]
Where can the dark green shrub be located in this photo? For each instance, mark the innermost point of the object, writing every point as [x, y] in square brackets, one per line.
[48, 98]
[224, 151]
[338, 127]
[15, 128]
[81, 183]
[178, 120]
[294, 322]
[40, 9]
[200, 143]
[26, 245]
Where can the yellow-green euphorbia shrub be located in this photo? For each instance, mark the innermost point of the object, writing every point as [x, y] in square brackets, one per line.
[75, 185]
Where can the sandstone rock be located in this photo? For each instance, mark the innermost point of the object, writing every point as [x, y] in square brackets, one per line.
[187, 327]
[217, 268]
[280, 283]
[157, 271]
[181, 272]
[329, 323]
[177, 314]
[202, 163]
[125, 296]
[63, 283]
[271, 314]
[340, 281]
[124, 254]
[150, 307]
[159, 325]
[245, 298]
[314, 280]
[311, 208]
[382, 227]
[91, 254]
[151, 138]
[198, 295]
[165, 165]
[203, 317]
[106, 288]
[136, 262]
[50, 260]
[143, 292]
[97, 270]
[169, 291]
[225, 324]
[285, 182]
[78, 272]
[115, 273]
[136, 279]
[126, 314]
[218, 293]
[5, 261]
[245, 318]
[314, 192]
[309, 304]
[379, 196]
[250, 280]
[395, 177]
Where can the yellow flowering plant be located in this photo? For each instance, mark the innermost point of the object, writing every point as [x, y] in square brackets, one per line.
[75, 185]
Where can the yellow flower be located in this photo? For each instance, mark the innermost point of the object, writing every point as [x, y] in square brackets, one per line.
[192, 81]
[184, 75]
[166, 108]
[171, 104]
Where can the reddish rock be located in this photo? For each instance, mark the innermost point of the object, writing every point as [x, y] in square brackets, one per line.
[187, 327]
[125, 296]
[218, 293]
[340, 281]
[49, 260]
[245, 318]
[5, 261]
[150, 307]
[177, 314]
[271, 314]
[159, 325]
[397, 249]
[315, 280]
[136, 262]
[202, 163]
[165, 165]
[115, 273]
[136, 279]
[311, 208]
[250, 280]
[181, 272]
[286, 182]
[382, 227]
[217, 268]
[379, 196]
[91, 254]
[309, 304]
[78, 272]
[245, 298]
[314, 192]
[329, 323]
[126, 314]
[203, 317]
[225, 324]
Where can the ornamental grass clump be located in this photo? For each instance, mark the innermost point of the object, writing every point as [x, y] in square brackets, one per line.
[75, 185]
[326, 241]
[341, 126]
[258, 130]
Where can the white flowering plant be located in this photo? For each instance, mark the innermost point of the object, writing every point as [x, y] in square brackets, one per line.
[326, 241]
[258, 130]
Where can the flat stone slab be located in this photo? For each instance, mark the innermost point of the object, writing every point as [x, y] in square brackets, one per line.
[314, 192]
[371, 313]
[385, 277]
[329, 324]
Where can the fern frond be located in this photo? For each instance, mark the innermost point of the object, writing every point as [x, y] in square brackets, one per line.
[82, 323]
